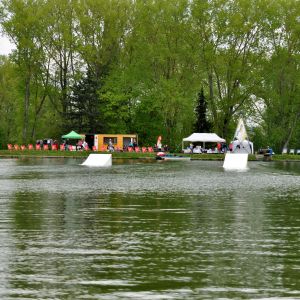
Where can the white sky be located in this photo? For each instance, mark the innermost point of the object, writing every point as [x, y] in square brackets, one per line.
[5, 45]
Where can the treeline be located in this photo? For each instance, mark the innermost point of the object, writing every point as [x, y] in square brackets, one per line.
[138, 66]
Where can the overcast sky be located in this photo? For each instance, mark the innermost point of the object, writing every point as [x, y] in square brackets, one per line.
[5, 45]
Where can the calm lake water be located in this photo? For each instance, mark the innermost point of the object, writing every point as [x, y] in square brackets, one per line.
[148, 230]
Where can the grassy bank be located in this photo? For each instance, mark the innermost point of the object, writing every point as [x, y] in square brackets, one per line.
[286, 157]
[215, 157]
[130, 155]
[50, 153]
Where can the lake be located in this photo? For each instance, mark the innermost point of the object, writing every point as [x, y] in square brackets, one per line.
[146, 229]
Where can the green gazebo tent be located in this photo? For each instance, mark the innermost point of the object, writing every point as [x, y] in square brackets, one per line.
[72, 135]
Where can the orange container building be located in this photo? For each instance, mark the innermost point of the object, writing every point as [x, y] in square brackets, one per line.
[100, 141]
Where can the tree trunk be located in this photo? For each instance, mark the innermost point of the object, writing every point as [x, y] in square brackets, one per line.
[26, 108]
[37, 113]
[211, 95]
[225, 126]
[39, 108]
[291, 130]
[227, 119]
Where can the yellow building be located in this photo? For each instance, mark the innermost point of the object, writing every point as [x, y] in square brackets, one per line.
[118, 140]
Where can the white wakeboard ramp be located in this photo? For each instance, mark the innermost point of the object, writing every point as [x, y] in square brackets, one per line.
[98, 160]
[238, 160]
[235, 161]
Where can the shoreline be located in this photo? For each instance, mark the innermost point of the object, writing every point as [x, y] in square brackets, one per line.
[132, 155]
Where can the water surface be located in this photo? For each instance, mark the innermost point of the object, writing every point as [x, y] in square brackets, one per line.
[148, 230]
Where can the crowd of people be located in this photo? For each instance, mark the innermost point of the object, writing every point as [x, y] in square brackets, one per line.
[111, 147]
[54, 145]
[80, 145]
[219, 148]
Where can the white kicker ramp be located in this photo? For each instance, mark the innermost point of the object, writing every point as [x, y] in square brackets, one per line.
[235, 161]
[98, 160]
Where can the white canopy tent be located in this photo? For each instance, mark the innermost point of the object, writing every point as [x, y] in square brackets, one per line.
[204, 138]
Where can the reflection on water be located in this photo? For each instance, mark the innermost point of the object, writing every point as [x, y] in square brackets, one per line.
[148, 230]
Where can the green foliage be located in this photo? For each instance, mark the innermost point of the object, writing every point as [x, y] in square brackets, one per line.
[280, 76]
[202, 124]
[148, 59]
[83, 113]
[10, 102]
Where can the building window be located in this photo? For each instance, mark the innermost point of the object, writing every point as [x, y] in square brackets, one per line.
[114, 140]
[127, 141]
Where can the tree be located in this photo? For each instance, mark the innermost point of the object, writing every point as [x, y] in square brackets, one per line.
[280, 85]
[21, 21]
[26, 24]
[139, 63]
[10, 102]
[228, 35]
[60, 48]
[83, 110]
[202, 124]
[101, 33]
[157, 66]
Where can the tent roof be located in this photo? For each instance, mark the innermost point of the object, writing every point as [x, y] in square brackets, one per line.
[72, 135]
[204, 137]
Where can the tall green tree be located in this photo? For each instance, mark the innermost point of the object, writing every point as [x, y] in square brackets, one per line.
[21, 21]
[280, 85]
[157, 67]
[202, 124]
[147, 59]
[26, 24]
[10, 102]
[100, 35]
[228, 34]
[60, 48]
[84, 106]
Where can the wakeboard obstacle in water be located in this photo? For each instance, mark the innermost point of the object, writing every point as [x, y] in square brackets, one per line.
[238, 160]
[235, 161]
[98, 160]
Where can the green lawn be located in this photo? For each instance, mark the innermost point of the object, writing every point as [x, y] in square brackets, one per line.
[51, 153]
